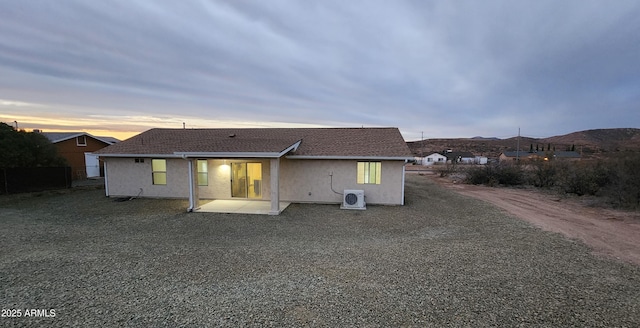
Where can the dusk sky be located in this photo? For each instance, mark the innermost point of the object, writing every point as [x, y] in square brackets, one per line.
[445, 68]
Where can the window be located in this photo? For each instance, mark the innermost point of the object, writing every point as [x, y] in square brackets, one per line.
[203, 172]
[81, 140]
[369, 172]
[139, 160]
[159, 171]
[429, 159]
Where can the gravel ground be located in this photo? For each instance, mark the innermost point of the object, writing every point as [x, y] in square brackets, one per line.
[441, 260]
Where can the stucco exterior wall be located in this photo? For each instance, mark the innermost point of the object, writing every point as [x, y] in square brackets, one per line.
[125, 178]
[300, 180]
[310, 181]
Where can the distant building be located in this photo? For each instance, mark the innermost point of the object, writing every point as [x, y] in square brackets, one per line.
[432, 159]
[481, 160]
[77, 149]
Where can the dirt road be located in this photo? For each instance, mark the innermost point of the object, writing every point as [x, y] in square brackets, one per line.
[609, 232]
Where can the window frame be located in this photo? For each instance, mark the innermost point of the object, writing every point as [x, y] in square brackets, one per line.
[84, 143]
[204, 174]
[158, 173]
[366, 176]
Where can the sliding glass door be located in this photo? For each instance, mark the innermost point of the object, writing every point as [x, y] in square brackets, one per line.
[246, 180]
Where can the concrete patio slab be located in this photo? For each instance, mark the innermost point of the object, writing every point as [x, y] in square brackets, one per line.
[239, 206]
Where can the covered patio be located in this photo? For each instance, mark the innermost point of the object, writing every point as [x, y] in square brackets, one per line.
[239, 206]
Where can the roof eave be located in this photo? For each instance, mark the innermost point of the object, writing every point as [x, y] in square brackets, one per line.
[227, 154]
[138, 155]
[80, 134]
[382, 158]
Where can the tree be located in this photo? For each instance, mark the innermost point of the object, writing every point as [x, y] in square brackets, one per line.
[26, 149]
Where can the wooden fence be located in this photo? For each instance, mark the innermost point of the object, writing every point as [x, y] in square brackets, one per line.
[20, 179]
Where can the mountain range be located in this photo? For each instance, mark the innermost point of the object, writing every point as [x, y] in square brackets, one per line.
[590, 143]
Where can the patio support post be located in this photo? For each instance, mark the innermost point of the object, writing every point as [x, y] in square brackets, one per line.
[275, 186]
[106, 178]
[194, 195]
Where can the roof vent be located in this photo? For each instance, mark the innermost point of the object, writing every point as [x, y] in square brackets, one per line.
[233, 135]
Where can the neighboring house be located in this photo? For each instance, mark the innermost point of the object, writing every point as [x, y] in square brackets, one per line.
[77, 149]
[432, 159]
[462, 157]
[281, 164]
[509, 156]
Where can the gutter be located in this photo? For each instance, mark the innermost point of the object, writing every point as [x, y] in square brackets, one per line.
[383, 158]
[138, 155]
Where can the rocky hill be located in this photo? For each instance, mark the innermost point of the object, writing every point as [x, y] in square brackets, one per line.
[591, 143]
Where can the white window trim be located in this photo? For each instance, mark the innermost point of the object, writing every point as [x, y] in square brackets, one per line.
[377, 177]
[78, 141]
[198, 173]
[153, 181]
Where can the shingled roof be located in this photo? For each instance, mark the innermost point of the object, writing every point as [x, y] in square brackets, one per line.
[298, 142]
[56, 137]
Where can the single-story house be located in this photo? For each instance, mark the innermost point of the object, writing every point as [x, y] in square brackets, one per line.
[77, 149]
[509, 156]
[273, 164]
[432, 159]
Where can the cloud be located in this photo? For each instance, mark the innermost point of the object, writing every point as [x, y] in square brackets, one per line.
[461, 68]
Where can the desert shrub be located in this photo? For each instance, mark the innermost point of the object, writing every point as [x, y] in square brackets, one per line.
[583, 178]
[492, 174]
[543, 174]
[480, 175]
[617, 180]
[446, 169]
[510, 175]
[623, 188]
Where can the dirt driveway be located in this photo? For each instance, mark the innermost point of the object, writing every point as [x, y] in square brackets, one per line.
[609, 232]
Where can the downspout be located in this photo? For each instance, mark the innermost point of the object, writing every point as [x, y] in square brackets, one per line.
[106, 178]
[403, 175]
[194, 197]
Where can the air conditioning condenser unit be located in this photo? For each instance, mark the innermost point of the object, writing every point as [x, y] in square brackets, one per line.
[353, 200]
